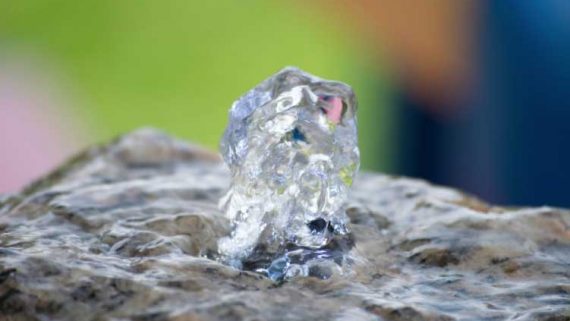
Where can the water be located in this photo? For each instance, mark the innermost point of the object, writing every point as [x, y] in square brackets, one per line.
[291, 146]
[129, 231]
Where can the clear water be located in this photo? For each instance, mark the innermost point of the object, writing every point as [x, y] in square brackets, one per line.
[291, 146]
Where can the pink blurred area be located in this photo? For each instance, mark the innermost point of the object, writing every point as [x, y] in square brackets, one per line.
[32, 126]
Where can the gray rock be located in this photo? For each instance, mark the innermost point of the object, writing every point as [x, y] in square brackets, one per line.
[128, 231]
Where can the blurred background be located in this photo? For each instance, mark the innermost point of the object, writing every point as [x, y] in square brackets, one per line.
[472, 94]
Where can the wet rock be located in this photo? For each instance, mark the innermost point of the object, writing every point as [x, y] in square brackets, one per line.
[129, 230]
[404, 313]
[362, 216]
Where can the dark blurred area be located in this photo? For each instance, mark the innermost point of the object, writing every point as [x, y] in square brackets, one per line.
[481, 95]
[471, 94]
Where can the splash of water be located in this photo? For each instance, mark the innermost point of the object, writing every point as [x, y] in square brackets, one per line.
[291, 146]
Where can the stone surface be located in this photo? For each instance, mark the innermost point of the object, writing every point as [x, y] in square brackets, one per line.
[291, 146]
[128, 231]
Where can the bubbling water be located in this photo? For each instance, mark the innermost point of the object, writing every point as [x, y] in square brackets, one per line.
[291, 146]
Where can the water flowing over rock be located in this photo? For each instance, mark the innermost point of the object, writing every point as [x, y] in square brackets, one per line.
[129, 231]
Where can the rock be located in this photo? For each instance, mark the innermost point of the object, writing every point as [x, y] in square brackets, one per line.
[129, 230]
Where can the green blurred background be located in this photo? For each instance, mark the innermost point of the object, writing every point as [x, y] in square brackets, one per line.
[179, 65]
[472, 94]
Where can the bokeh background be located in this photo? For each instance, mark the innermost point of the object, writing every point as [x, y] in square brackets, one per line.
[472, 94]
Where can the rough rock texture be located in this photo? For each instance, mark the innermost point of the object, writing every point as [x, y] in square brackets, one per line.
[128, 231]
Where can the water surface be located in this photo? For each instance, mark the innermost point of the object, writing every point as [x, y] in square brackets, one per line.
[129, 231]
